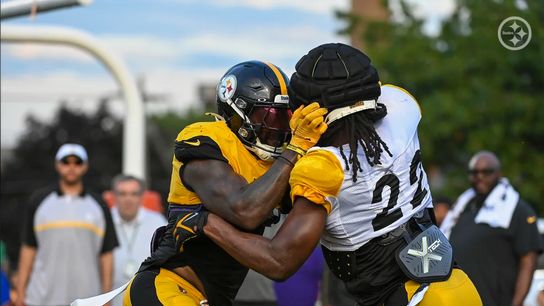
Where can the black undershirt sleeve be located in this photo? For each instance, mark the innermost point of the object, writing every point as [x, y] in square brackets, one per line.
[28, 236]
[525, 230]
[197, 147]
[109, 241]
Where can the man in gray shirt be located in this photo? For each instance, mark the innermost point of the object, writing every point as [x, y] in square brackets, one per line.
[67, 239]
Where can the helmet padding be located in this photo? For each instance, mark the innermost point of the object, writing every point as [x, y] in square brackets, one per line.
[334, 75]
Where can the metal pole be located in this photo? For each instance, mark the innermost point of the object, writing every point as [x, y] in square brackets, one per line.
[134, 121]
[16, 8]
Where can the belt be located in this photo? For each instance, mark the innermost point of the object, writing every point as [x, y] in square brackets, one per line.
[344, 264]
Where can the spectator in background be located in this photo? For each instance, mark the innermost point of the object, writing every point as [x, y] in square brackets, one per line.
[67, 238]
[494, 234]
[134, 226]
[442, 206]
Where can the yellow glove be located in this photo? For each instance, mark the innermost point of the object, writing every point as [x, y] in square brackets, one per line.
[307, 125]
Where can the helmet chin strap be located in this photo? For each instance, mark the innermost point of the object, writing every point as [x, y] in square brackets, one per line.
[348, 110]
[216, 116]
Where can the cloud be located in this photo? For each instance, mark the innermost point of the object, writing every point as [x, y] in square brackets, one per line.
[433, 9]
[275, 45]
[57, 82]
[432, 12]
[173, 47]
[129, 47]
[143, 52]
[319, 7]
[41, 94]
[141, 46]
[29, 51]
[278, 44]
[179, 87]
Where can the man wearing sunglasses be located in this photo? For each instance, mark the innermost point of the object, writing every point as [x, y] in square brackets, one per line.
[494, 234]
[67, 238]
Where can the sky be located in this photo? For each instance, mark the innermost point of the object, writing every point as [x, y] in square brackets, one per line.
[171, 45]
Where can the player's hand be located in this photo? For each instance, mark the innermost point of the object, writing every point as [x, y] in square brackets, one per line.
[189, 226]
[20, 298]
[307, 125]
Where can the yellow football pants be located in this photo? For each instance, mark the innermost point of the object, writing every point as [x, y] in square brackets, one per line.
[456, 291]
[161, 288]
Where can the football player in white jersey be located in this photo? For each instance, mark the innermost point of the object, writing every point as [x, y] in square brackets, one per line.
[362, 191]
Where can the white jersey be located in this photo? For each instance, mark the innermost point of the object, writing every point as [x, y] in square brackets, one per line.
[384, 196]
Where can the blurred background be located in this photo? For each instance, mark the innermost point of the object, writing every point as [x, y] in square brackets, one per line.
[474, 93]
[176, 50]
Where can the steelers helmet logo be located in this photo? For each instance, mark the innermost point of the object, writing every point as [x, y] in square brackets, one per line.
[227, 87]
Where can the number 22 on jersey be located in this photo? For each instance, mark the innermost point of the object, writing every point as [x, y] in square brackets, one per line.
[392, 212]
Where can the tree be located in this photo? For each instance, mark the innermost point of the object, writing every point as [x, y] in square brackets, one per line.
[474, 93]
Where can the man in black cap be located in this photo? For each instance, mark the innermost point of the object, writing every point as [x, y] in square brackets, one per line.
[362, 191]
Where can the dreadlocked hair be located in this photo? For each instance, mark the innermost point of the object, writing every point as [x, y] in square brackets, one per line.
[360, 130]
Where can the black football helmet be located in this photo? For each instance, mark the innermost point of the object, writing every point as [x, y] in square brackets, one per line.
[252, 98]
[340, 78]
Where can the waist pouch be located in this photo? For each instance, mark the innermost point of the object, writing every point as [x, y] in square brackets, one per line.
[428, 257]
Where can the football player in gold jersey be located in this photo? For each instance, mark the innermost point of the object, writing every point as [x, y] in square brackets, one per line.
[362, 190]
[238, 168]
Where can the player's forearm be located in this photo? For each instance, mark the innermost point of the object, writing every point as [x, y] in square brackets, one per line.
[253, 251]
[526, 269]
[106, 270]
[26, 261]
[256, 200]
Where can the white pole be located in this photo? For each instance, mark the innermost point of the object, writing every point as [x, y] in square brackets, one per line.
[134, 121]
[15, 8]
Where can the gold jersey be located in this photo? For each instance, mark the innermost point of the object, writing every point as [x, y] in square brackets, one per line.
[210, 140]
